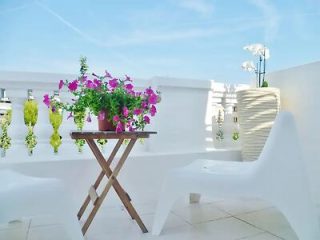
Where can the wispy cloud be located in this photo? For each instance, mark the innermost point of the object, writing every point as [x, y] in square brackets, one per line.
[271, 18]
[13, 9]
[202, 7]
[83, 34]
[69, 24]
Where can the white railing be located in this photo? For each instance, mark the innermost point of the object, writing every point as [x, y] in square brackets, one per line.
[184, 122]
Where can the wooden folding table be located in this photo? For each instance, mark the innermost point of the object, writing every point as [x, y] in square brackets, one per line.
[93, 196]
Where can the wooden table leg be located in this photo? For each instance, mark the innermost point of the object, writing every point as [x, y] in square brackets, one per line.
[112, 182]
[100, 177]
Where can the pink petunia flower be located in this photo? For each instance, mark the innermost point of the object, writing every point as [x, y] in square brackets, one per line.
[119, 127]
[144, 104]
[116, 118]
[46, 100]
[113, 83]
[149, 91]
[146, 119]
[153, 110]
[152, 99]
[137, 111]
[90, 84]
[101, 115]
[73, 86]
[61, 83]
[128, 87]
[125, 111]
[97, 83]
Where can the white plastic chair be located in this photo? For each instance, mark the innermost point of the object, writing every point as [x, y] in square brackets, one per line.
[278, 176]
[25, 196]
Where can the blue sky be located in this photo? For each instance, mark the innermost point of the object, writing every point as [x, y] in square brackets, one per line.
[201, 39]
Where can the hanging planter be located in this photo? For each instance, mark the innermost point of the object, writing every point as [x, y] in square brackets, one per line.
[5, 121]
[55, 120]
[5, 140]
[55, 117]
[79, 120]
[30, 119]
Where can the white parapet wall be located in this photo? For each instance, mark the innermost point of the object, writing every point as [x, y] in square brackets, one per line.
[183, 123]
[300, 88]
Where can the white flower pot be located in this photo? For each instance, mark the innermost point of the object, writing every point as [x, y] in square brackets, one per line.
[257, 109]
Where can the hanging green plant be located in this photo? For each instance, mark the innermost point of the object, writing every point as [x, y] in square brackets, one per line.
[102, 143]
[79, 120]
[30, 140]
[30, 119]
[235, 136]
[5, 140]
[55, 120]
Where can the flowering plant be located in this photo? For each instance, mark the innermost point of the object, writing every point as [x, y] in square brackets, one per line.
[259, 69]
[126, 108]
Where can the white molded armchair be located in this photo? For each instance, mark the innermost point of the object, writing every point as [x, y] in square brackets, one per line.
[26, 196]
[278, 176]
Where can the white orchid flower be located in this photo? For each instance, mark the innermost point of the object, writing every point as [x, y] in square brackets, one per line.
[248, 66]
[258, 49]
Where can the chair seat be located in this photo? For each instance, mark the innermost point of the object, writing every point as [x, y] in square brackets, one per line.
[218, 167]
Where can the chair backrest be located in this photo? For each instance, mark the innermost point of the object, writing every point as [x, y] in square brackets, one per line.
[282, 150]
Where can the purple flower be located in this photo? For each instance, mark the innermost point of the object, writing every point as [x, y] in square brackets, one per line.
[83, 78]
[149, 91]
[101, 115]
[119, 127]
[90, 84]
[125, 111]
[131, 129]
[97, 83]
[137, 111]
[46, 100]
[69, 116]
[73, 86]
[113, 83]
[129, 87]
[146, 119]
[61, 83]
[116, 118]
[89, 118]
[107, 74]
[153, 110]
[144, 104]
[53, 109]
[152, 99]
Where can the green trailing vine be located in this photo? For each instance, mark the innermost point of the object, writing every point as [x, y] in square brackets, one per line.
[30, 140]
[5, 121]
[55, 120]
[102, 143]
[235, 136]
[79, 120]
[30, 119]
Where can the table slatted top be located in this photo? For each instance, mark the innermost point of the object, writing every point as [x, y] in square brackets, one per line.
[109, 134]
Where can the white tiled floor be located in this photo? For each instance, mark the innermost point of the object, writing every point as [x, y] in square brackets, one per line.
[232, 219]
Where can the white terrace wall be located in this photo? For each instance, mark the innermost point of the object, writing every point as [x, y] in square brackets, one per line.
[300, 88]
[183, 122]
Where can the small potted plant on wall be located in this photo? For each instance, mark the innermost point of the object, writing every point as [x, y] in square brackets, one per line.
[257, 106]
